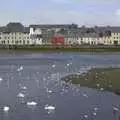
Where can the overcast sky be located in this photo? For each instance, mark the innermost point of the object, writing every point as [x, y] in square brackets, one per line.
[81, 12]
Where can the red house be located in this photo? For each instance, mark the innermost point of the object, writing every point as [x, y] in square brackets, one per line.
[58, 40]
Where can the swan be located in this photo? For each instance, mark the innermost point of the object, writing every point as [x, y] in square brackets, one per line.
[6, 109]
[31, 103]
[20, 68]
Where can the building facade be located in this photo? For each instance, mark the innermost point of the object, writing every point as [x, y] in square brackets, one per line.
[44, 33]
[89, 39]
[115, 37]
[35, 35]
[15, 34]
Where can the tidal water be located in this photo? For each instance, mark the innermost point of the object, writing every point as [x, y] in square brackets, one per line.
[35, 78]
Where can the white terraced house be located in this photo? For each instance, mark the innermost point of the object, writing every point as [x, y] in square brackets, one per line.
[15, 34]
[36, 35]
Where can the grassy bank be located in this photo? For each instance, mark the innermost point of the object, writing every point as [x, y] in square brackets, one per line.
[107, 78]
[47, 48]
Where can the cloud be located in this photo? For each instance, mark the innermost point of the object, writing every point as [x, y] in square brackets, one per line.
[63, 12]
[63, 1]
[117, 12]
[117, 15]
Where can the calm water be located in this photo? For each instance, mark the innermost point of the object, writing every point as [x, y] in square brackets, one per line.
[41, 75]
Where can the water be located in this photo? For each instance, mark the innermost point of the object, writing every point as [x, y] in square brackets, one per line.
[39, 82]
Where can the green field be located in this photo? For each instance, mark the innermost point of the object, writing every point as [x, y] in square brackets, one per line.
[106, 78]
[63, 48]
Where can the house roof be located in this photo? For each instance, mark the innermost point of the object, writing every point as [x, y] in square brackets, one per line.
[108, 28]
[15, 27]
[115, 29]
[2, 29]
[26, 29]
[87, 35]
[54, 26]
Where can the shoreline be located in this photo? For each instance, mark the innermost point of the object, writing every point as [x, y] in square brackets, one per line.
[104, 79]
[62, 49]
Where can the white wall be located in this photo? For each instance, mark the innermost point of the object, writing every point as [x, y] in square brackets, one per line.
[38, 31]
[38, 41]
[31, 31]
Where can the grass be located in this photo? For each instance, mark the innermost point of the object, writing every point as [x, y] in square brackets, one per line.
[107, 78]
[47, 48]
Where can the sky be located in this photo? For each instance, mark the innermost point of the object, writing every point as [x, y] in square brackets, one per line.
[81, 12]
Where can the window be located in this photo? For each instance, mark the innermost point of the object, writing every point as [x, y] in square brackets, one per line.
[20, 41]
[16, 42]
[5, 37]
[0, 37]
[8, 37]
[19, 37]
[27, 42]
[23, 41]
[3, 42]
[12, 41]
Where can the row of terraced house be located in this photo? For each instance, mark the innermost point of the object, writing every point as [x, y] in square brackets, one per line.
[67, 34]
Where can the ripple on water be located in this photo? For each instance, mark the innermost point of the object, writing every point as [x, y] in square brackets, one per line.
[62, 103]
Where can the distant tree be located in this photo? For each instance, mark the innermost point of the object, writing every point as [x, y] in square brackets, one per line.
[108, 33]
[88, 30]
[92, 30]
[83, 26]
[101, 34]
[95, 26]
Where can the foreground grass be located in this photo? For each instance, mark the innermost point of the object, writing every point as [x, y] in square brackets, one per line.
[107, 78]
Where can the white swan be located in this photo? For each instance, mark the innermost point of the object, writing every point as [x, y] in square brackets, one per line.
[94, 114]
[116, 109]
[20, 68]
[85, 95]
[49, 107]
[1, 79]
[85, 116]
[95, 109]
[68, 64]
[21, 95]
[6, 109]
[31, 103]
[53, 66]
[24, 87]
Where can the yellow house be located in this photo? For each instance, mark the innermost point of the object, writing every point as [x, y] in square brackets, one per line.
[115, 36]
[111, 35]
